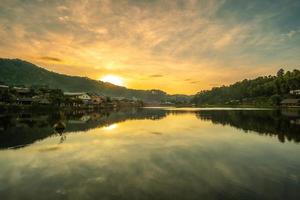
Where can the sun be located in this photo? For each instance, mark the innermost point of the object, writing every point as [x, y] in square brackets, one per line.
[116, 80]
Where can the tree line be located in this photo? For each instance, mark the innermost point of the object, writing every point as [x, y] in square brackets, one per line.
[265, 90]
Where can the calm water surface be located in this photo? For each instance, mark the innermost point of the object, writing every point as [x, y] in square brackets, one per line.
[151, 153]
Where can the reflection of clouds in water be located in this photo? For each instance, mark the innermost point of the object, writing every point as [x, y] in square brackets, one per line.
[192, 158]
[265, 122]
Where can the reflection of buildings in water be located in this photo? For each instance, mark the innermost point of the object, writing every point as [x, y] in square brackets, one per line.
[30, 120]
[95, 116]
[81, 120]
[294, 114]
[291, 112]
[295, 121]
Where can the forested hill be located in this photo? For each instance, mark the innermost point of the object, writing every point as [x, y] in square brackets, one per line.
[19, 72]
[267, 90]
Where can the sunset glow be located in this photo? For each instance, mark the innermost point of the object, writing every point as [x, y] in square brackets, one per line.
[181, 46]
[149, 99]
[113, 79]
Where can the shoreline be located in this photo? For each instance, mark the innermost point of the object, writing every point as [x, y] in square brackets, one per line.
[62, 108]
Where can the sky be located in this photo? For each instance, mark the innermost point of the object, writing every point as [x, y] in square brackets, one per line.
[179, 46]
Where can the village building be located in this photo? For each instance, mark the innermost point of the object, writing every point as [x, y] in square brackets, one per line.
[290, 102]
[4, 88]
[26, 101]
[25, 97]
[78, 98]
[22, 91]
[96, 100]
[295, 92]
[78, 95]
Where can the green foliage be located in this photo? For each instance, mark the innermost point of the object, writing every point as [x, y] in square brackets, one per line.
[275, 99]
[262, 90]
[56, 97]
[280, 73]
[7, 97]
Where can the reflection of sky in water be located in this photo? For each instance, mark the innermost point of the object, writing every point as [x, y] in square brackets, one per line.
[177, 157]
[110, 127]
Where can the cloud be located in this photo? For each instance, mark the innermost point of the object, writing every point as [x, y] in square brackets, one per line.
[195, 82]
[156, 75]
[46, 58]
[211, 40]
[292, 33]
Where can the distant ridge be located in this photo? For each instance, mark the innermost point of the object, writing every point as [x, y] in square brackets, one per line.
[20, 72]
[261, 91]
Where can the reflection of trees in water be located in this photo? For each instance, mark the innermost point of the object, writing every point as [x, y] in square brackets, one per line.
[283, 124]
[23, 128]
[17, 130]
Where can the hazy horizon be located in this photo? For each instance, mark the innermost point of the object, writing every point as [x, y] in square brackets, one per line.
[175, 46]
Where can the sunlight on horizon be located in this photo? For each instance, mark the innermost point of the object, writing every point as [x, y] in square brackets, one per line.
[110, 127]
[113, 79]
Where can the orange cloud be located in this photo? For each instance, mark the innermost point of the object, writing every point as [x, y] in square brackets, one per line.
[169, 40]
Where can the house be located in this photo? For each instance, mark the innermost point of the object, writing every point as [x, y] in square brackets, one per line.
[22, 90]
[295, 92]
[290, 102]
[3, 88]
[96, 100]
[167, 103]
[78, 95]
[295, 121]
[26, 101]
[41, 100]
[82, 120]
[78, 98]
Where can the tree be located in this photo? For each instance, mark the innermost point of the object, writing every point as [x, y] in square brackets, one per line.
[56, 97]
[275, 99]
[7, 97]
[256, 90]
[280, 73]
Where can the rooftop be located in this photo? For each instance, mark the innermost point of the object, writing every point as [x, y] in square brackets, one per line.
[74, 93]
[287, 101]
[4, 86]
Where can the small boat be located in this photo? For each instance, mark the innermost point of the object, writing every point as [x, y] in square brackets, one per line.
[59, 127]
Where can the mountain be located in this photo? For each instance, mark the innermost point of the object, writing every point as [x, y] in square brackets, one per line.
[19, 72]
[267, 90]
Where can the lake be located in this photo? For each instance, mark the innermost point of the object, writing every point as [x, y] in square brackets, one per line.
[151, 153]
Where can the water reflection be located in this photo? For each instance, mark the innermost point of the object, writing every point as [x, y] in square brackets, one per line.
[18, 130]
[110, 127]
[151, 154]
[285, 124]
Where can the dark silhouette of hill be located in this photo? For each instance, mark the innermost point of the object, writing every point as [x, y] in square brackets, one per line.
[19, 72]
